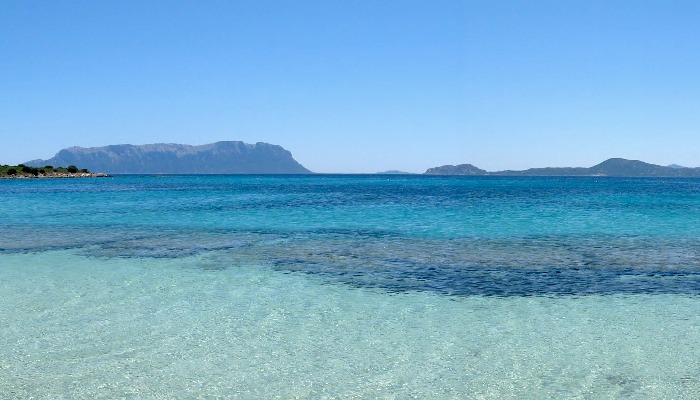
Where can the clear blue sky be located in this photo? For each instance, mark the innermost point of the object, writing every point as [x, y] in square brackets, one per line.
[358, 86]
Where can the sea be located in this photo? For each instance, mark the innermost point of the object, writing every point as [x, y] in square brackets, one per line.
[349, 287]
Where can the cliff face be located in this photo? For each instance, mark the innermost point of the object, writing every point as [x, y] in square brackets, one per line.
[215, 158]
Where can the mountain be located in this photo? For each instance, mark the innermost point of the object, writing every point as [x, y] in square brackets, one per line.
[612, 167]
[216, 158]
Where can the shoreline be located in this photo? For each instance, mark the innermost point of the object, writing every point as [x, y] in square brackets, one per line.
[57, 176]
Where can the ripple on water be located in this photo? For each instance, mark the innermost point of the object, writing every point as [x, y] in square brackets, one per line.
[86, 327]
[522, 266]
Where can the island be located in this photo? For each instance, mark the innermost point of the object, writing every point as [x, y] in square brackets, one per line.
[618, 167]
[228, 157]
[47, 171]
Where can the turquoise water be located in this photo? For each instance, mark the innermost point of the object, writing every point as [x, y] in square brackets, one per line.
[349, 287]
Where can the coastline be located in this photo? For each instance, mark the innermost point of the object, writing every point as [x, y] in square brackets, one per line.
[57, 175]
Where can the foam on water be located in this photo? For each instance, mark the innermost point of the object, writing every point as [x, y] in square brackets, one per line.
[88, 327]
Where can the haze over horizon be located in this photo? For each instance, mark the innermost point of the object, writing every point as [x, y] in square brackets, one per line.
[358, 87]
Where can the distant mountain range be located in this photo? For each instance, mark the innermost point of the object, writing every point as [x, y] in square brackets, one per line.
[216, 158]
[612, 167]
[235, 157]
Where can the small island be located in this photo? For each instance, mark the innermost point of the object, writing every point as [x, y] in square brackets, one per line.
[48, 171]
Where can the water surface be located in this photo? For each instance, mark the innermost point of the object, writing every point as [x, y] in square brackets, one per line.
[350, 286]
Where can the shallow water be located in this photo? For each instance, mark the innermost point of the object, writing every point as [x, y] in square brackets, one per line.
[350, 286]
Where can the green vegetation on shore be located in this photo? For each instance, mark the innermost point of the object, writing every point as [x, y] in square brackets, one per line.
[22, 170]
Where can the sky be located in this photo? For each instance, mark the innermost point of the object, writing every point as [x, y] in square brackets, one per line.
[358, 86]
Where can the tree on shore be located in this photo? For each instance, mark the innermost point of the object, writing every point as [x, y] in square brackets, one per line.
[25, 170]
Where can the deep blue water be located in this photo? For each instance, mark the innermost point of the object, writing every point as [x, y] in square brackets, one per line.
[464, 236]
